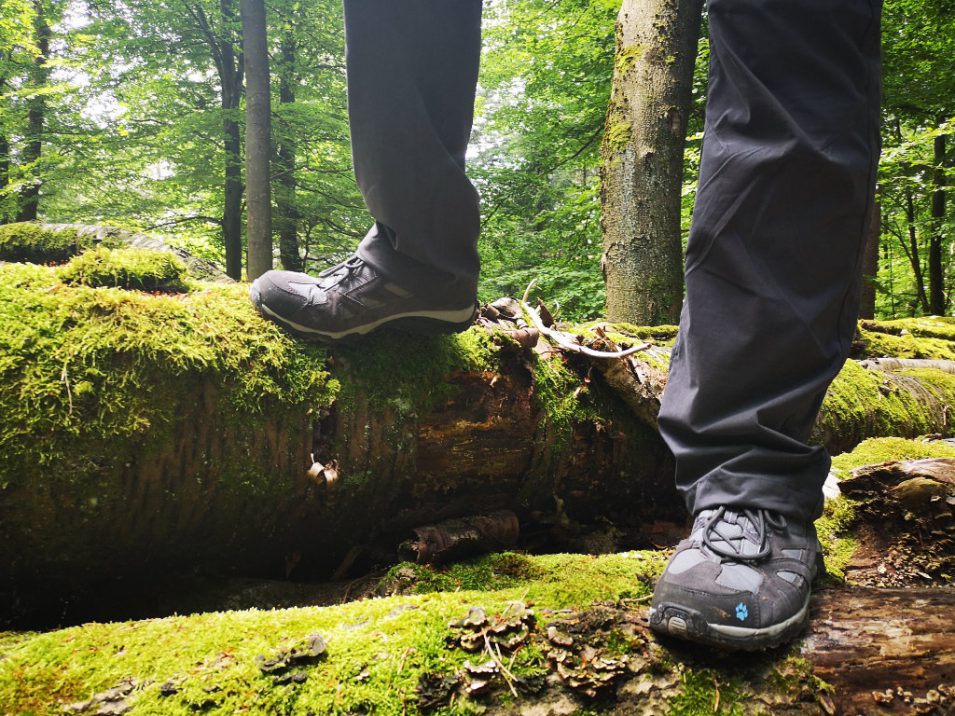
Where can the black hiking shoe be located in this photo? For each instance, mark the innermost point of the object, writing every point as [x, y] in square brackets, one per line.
[741, 580]
[351, 300]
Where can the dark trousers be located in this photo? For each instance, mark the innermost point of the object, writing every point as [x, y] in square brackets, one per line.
[412, 74]
[787, 179]
[772, 275]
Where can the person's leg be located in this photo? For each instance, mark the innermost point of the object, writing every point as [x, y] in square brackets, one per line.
[412, 75]
[772, 269]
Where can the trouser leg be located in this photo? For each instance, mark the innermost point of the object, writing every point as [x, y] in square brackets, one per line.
[412, 73]
[772, 269]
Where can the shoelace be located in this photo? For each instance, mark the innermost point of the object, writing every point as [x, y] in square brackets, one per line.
[338, 273]
[715, 540]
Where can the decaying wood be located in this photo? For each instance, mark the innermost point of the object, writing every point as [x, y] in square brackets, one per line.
[463, 537]
[886, 651]
[878, 651]
[904, 523]
[896, 364]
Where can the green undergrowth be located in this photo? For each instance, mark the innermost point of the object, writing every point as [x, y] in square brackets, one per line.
[377, 648]
[130, 268]
[834, 527]
[28, 241]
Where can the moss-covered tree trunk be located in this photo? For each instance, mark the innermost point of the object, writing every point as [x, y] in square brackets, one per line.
[642, 168]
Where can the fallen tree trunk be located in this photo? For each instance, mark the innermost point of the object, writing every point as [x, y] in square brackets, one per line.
[152, 433]
[583, 646]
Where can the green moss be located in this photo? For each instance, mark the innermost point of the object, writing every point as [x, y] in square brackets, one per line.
[130, 268]
[699, 694]
[82, 367]
[562, 396]
[386, 643]
[838, 543]
[33, 243]
[876, 450]
[409, 373]
[863, 402]
[626, 58]
[617, 135]
[930, 337]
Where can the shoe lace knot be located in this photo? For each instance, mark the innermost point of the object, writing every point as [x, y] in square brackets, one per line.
[727, 540]
[333, 276]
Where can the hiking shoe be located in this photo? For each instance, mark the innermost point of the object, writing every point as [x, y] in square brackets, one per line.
[351, 300]
[741, 580]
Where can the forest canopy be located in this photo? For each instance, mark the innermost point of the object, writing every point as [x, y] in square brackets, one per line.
[132, 113]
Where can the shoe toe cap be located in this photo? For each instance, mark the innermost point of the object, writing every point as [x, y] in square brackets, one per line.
[285, 292]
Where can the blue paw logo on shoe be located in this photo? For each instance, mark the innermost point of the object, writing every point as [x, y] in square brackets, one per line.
[741, 612]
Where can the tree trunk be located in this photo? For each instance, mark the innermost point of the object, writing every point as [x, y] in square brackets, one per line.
[870, 264]
[642, 166]
[36, 116]
[285, 206]
[936, 270]
[915, 257]
[4, 176]
[258, 138]
[231, 70]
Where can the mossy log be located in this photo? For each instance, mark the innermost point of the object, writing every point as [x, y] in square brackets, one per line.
[555, 634]
[144, 433]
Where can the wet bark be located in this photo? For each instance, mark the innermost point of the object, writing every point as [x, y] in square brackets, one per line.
[642, 169]
[258, 138]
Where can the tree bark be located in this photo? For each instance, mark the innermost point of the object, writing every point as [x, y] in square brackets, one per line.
[258, 138]
[938, 301]
[29, 201]
[286, 209]
[642, 169]
[231, 70]
[870, 264]
[915, 257]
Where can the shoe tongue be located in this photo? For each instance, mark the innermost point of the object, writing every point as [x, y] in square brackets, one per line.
[734, 532]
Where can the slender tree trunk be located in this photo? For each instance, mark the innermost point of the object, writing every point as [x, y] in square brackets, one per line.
[231, 70]
[642, 171]
[36, 116]
[286, 211]
[913, 252]
[258, 138]
[870, 264]
[4, 175]
[936, 271]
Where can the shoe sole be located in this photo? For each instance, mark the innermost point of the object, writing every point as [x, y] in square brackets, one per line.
[684, 623]
[429, 323]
